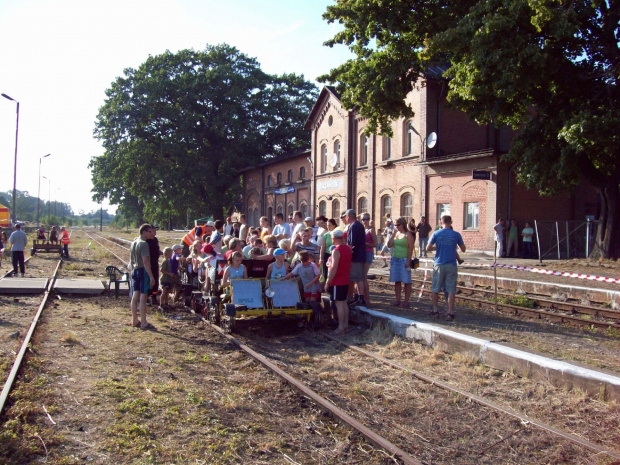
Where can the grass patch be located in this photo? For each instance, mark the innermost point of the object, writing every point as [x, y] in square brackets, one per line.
[517, 300]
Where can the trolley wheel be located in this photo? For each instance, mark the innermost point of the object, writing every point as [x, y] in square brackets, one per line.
[213, 314]
[228, 323]
[196, 304]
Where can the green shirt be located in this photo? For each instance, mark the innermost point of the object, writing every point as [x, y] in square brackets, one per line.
[166, 266]
[513, 233]
[138, 251]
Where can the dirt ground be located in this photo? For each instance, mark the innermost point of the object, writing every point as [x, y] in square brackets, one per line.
[181, 394]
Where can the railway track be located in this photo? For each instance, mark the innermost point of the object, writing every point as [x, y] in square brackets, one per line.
[274, 364]
[8, 385]
[556, 311]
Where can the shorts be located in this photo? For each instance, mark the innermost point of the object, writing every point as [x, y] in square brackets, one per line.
[356, 272]
[312, 295]
[370, 256]
[167, 285]
[398, 271]
[444, 276]
[140, 281]
[339, 293]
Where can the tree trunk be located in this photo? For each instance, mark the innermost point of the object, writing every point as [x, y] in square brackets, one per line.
[607, 244]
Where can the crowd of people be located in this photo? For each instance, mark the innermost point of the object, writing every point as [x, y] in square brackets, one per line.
[17, 243]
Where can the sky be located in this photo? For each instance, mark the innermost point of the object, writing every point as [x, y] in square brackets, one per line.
[57, 58]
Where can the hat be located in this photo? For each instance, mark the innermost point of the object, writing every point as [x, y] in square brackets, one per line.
[279, 252]
[207, 249]
[210, 223]
[351, 212]
[389, 220]
[176, 247]
[343, 214]
[337, 233]
[308, 219]
[228, 218]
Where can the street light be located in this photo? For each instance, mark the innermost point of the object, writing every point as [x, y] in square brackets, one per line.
[39, 191]
[15, 164]
[49, 197]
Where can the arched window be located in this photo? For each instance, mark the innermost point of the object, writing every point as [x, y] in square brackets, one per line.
[363, 150]
[291, 209]
[337, 152]
[279, 179]
[362, 205]
[269, 181]
[255, 221]
[323, 208]
[290, 175]
[323, 158]
[303, 208]
[386, 207]
[410, 135]
[336, 209]
[406, 206]
[302, 173]
[387, 148]
[280, 208]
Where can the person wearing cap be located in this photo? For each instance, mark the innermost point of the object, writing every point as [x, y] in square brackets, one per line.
[356, 240]
[228, 229]
[281, 230]
[278, 269]
[388, 231]
[337, 283]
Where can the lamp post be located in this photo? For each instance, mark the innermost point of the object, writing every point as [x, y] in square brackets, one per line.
[49, 198]
[15, 164]
[39, 191]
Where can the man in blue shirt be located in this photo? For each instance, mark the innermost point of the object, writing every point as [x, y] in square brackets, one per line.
[445, 272]
[356, 240]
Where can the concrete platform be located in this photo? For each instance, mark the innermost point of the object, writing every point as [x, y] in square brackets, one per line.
[500, 356]
[23, 285]
[79, 286]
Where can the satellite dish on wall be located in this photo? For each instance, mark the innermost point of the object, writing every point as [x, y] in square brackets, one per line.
[333, 161]
[431, 140]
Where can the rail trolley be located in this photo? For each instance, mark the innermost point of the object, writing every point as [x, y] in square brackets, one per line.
[255, 297]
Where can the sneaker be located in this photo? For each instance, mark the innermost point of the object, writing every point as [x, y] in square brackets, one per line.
[22, 275]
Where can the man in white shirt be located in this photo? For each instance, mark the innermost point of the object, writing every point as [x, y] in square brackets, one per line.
[315, 229]
[499, 237]
[299, 225]
[229, 227]
[281, 230]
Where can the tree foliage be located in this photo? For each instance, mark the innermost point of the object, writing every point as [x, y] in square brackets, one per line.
[178, 130]
[549, 68]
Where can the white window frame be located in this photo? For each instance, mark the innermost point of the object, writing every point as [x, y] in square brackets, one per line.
[471, 215]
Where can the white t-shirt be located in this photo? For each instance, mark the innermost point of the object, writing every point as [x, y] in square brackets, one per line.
[527, 231]
[282, 229]
[228, 230]
[499, 232]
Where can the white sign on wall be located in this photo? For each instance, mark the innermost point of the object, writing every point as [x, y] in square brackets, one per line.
[329, 184]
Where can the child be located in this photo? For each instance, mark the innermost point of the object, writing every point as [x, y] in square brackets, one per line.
[279, 268]
[211, 257]
[235, 269]
[175, 260]
[166, 280]
[309, 274]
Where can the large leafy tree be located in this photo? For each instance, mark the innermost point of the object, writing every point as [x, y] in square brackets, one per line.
[549, 68]
[177, 130]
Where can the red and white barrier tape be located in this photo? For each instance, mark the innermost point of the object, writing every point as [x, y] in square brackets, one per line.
[423, 281]
[564, 274]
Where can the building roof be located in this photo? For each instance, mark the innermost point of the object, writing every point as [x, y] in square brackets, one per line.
[277, 159]
[325, 92]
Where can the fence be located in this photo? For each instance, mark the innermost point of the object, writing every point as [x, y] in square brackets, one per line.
[565, 239]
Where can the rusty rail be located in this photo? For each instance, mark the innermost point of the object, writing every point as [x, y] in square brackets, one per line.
[487, 403]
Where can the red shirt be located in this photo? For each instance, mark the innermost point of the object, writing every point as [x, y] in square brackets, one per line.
[344, 264]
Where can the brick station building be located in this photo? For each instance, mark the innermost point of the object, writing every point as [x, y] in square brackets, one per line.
[460, 174]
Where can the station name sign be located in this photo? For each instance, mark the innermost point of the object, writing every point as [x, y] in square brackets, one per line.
[481, 175]
[285, 190]
[328, 185]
